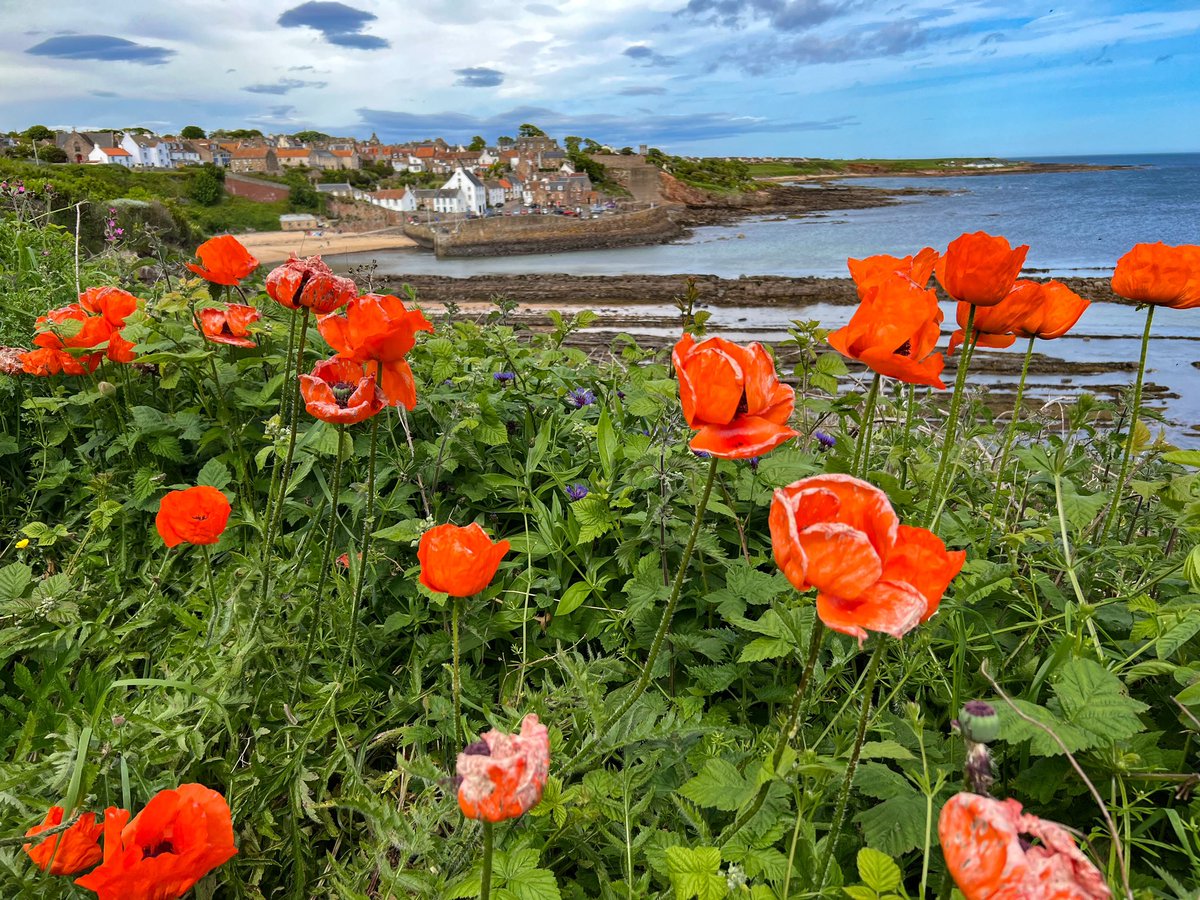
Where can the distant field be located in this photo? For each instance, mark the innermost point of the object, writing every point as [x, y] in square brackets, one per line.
[840, 166]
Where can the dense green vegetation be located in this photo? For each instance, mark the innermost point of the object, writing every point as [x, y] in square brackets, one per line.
[328, 723]
[709, 173]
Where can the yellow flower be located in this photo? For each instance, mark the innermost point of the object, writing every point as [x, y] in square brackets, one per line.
[22, 543]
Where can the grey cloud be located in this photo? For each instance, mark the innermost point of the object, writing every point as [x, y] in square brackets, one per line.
[648, 56]
[340, 24]
[641, 91]
[103, 47]
[785, 15]
[653, 128]
[775, 53]
[479, 77]
[104, 94]
[282, 86]
[542, 9]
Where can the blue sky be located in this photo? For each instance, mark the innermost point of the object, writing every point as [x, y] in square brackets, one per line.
[770, 77]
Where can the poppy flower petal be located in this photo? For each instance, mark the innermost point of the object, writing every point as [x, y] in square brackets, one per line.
[396, 382]
[920, 559]
[841, 559]
[927, 371]
[716, 382]
[743, 438]
[887, 607]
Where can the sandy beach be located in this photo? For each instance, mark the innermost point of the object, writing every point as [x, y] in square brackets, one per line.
[276, 246]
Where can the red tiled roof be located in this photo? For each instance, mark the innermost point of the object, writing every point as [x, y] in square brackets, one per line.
[292, 152]
[423, 153]
[343, 153]
[114, 151]
[390, 194]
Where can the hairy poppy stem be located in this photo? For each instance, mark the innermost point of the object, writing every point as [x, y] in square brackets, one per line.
[862, 449]
[787, 734]
[907, 436]
[485, 877]
[278, 492]
[843, 800]
[937, 494]
[323, 578]
[456, 681]
[1127, 457]
[212, 590]
[1012, 427]
[368, 528]
[663, 626]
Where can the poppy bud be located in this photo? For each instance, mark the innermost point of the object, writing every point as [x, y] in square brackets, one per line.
[978, 722]
[106, 388]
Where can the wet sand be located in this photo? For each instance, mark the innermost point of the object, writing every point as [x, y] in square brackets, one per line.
[272, 247]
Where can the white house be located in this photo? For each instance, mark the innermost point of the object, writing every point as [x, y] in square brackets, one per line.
[444, 200]
[146, 151]
[495, 193]
[182, 153]
[115, 155]
[473, 192]
[402, 199]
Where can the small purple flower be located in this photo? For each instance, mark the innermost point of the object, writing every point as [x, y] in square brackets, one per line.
[504, 377]
[826, 441]
[754, 461]
[703, 454]
[581, 397]
[449, 382]
[577, 491]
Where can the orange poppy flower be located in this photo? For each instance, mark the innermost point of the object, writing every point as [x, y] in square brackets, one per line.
[309, 282]
[337, 391]
[1160, 274]
[72, 327]
[113, 304]
[995, 326]
[196, 515]
[980, 269]
[48, 361]
[840, 535]
[502, 775]
[872, 269]
[732, 397]
[1057, 314]
[981, 841]
[70, 851]
[223, 260]
[228, 324]
[894, 331]
[459, 561]
[179, 837]
[378, 330]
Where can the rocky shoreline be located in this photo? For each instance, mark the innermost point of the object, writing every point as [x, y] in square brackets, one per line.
[553, 290]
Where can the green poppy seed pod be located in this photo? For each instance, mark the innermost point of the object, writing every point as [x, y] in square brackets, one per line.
[978, 722]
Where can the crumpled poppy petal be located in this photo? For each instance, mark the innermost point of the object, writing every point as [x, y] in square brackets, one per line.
[743, 438]
[887, 607]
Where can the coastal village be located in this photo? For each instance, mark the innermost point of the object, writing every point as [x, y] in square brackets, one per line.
[531, 172]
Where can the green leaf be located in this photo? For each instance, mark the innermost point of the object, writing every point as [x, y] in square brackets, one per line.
[606, 442]
[595, 518]
[1177, 634]
[896, 825]
[14, 578]
[766, 648]
[885, 750]
[878, 871]
[1080, 509]
[214, 473]
[1183, 457]
[718, 786]
[572, 598]
[695, 873]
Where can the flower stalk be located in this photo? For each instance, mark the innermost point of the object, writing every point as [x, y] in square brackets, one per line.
[938, 494]
[1011, 431]
[485, 877]
[456, 677]
[365, 547]
[862, 448]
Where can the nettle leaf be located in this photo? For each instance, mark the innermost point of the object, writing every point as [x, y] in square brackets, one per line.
[765, 648]
[878, 871]
[718, 786]
[896, 825]
[695, 873]
[595, 518]
[1080, 509]
[14, 579]
[1090, 708]
[755, 587]
[214, 473]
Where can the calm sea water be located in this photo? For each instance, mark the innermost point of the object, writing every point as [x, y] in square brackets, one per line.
[1076, 223]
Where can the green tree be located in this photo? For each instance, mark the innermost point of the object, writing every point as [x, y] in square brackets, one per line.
[307, 137]
[590, 146]
[206, 189]
[504, 139]
[529, 131]
[192, 133]
[477, 143]
[303, 197]
[52, 155]
[38, 133]
[572, 142]
[627, 151]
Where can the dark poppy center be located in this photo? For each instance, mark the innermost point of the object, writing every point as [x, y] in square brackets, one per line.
[904, 349]
[478, 748]
[342, 392]
[158, 849]
[743, 405]
[304, 280]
